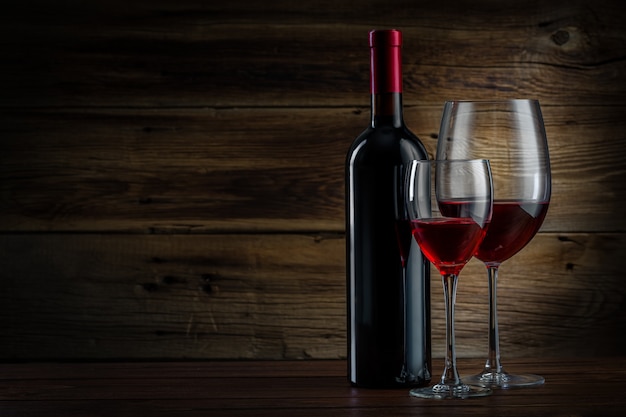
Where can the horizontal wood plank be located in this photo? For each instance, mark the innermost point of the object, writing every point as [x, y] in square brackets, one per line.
[288, 388]
[266, 170]
[281, 296]
[189, 53]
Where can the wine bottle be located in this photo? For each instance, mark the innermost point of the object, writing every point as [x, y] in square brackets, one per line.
[388, 278]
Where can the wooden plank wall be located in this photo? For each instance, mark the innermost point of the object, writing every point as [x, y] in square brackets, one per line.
[171, 172]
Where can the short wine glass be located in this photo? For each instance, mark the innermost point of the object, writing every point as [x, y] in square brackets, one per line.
[511, 134]
[449, 204]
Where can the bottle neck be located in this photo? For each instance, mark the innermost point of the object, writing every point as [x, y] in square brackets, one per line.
[387, 109]
[386, 83]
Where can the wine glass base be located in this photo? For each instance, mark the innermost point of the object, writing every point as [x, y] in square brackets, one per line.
[504, 380]
[445, 392]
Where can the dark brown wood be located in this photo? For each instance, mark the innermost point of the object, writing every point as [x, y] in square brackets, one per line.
[282, 296]
[265, 170]
[188, 53]
[171, 172]
[585, 388]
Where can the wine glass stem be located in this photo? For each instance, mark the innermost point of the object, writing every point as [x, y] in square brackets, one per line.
[404, 372]
[450, 374]
[493, 362]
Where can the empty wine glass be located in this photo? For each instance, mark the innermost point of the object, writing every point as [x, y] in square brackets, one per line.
[449, 204]
[511, 134]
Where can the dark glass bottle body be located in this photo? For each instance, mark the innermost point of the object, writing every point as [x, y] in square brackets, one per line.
[388, 278]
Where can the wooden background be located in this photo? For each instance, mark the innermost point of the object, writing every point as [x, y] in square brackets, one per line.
[171, 172]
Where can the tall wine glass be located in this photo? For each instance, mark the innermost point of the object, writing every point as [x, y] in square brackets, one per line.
[511, 134]
[449, 204]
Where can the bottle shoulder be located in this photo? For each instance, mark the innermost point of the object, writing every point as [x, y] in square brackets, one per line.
[386, 142]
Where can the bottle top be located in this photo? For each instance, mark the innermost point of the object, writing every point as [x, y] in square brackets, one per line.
[386, 61]
[388, 37]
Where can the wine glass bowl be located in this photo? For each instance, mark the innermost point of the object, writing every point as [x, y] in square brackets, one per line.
[449, 205]
[511, 134]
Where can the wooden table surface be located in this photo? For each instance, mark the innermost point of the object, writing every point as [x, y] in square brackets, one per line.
[576, 387]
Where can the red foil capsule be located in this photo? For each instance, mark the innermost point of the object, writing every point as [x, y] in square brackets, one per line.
[385, 61]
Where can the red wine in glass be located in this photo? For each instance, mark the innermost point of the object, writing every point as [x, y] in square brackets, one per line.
[404, 236]
[449, 243]
[513, 225]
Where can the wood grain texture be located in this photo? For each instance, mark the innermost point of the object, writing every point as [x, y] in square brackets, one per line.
[281, 297]
[266, 170]
[288, 388]
[190, 53]
[171, 172]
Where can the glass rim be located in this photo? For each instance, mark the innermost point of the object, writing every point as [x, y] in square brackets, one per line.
[431, 161]
[495, 100]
